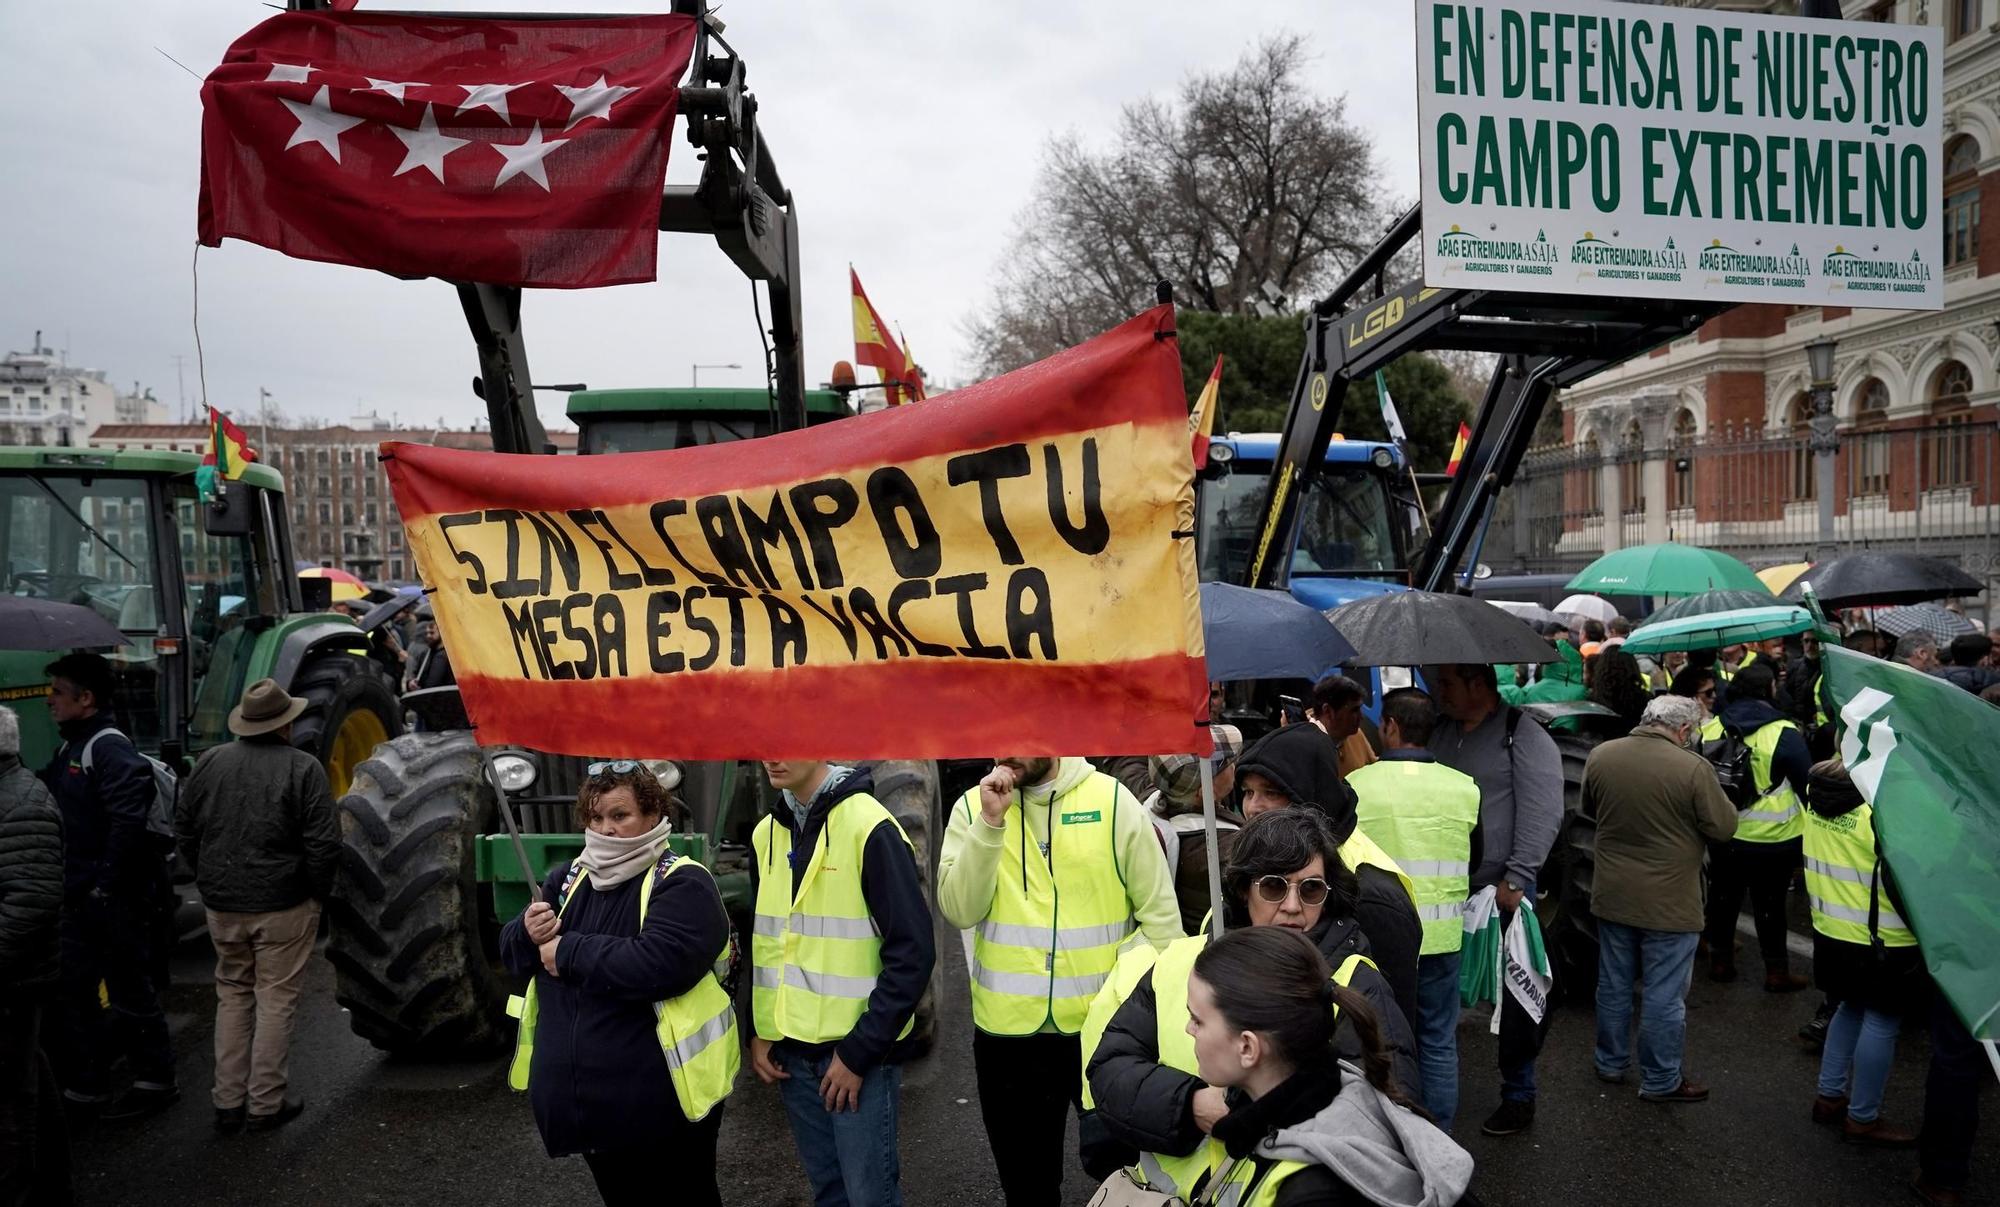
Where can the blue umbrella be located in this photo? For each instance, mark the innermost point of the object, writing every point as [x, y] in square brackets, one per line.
[1254, 634]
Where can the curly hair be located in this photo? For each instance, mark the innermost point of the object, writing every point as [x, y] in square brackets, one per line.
[1619, 686]
[1279, 843]
[653, 797]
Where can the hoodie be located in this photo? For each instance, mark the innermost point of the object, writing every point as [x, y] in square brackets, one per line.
[1561, 680]
[1791, 761]
[1365, 1147]
[895, 895]
[1303, 763]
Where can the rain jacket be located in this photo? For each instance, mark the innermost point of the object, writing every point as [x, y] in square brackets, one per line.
[1367, 1149]
[1302, 762]
[1561, 680]
[1150, 1106]
[106, 846]
[31, 876]
[1791, 761]
[257, 827]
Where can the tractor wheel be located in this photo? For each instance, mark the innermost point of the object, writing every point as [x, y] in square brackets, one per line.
[909, 791]
[350, 710]
[1569, 930]
[408, 946]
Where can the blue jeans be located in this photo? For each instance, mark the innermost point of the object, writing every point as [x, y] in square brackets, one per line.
[850, 1156]
[1862, 1042]
[1664, 961]
[1437, 1035]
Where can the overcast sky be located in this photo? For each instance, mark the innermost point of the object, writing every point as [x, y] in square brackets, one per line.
[908, 132]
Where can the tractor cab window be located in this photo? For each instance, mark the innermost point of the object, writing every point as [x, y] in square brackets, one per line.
[86, 541]
[1231, 505]
[1345, 525]
[225, 585]
[645, 435]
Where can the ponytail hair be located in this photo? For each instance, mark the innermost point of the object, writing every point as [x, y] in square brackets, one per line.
[1273, 980]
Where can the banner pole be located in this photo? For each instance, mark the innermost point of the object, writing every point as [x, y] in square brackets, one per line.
[1214, 854]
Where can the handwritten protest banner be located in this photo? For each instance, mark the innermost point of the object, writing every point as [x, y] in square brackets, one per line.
[996, 571]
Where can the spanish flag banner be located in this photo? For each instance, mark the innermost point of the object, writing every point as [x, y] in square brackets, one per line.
[1458, 450]
[228, 455]
[998, 572]
[1201, 422]
[873, 345]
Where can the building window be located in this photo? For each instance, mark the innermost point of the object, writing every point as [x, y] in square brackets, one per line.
[1869, 462]
[1883, 11]
[347, 456]
[346, 485]
[1631, 487]
[1680, 448]
[346, 514]
[1949, 450]
[1961, 201]
[1965, 16]
[395, 567]
[326, 513]
[1802, 484]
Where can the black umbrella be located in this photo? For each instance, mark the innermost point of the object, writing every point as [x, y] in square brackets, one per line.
[1266, 635]
[1426, 628]
[28, 623]
[1877, 577]
[1711, 601]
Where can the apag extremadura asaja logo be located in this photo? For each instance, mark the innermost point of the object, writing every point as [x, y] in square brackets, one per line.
[1605, 260]
[1498, 256]
[1870, 273]
[1728, 266]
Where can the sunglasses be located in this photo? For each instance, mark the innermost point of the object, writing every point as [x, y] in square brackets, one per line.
[1312, 891]
[620, 767]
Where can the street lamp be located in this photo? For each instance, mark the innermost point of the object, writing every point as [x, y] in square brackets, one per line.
[694, 372]
[1819, 362]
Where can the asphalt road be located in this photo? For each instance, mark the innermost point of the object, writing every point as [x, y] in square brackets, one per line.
[381, 1131]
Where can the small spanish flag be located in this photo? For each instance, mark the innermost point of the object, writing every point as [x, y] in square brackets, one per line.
[1458, 450]
[229, 453]
[1201, 423]
[874, 346]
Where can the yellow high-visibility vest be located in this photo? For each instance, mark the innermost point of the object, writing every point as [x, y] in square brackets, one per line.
[697, 1030]
[1842, 879]
[1775, 815]
[1170, 966]
[1424, 813]
[1059, 914]
[815, 955]
[1359, 849]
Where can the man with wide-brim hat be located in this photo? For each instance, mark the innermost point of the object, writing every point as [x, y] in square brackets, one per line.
[256, 826]
[265, 708]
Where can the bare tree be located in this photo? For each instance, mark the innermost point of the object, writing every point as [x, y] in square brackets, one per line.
[1245, 179]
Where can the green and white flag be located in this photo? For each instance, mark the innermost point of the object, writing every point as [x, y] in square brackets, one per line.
[1926, 755]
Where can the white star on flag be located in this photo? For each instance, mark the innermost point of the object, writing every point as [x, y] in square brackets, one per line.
[287, 73]
[319, 123]
[592, 100]
[525, 158]
[488, 96]
[391, 87]
[424, 147]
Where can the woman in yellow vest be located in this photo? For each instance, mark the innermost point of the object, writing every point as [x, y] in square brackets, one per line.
[1304, 1129]
[1764, 855]
[1864, 956]
[1284, 871]
[627, 1037]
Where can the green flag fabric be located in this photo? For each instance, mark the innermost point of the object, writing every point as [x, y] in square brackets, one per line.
[1926, 755]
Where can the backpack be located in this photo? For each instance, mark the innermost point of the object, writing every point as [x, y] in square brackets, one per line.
[166, 787]
[1730, 756]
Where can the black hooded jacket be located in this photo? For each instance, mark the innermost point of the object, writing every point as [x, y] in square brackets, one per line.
[1149, 1106]
[895, 895]
[1304, 764]
[1791, 761]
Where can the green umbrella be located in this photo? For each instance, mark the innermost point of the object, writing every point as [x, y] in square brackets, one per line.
[1669, 568]
[1718, 629]
[1709, 602]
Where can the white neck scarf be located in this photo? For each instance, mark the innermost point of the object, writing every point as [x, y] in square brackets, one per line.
[612, 861]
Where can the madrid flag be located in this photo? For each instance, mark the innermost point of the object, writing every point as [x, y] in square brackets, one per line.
[509, 152]
[998, 572]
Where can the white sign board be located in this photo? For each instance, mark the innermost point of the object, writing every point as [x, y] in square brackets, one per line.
[1584, 146]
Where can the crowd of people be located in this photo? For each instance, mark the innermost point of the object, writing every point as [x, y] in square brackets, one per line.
[1307, 1056]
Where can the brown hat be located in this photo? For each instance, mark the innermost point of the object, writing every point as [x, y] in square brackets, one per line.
[265, 709]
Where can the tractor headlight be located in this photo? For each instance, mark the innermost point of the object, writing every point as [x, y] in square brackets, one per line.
[1221, 454]
[516, 774]
[1382, 458]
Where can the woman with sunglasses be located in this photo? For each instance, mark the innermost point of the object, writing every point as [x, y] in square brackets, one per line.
[627, 1041]
[1284, 872]
[1307, 1127]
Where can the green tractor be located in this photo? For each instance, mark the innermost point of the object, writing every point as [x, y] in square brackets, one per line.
[429, 872]
[205, 593]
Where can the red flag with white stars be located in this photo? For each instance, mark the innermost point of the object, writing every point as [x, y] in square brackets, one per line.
[501, 151]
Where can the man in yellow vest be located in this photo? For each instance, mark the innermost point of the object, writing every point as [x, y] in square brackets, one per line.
[1762, 857]
[1297, 765]
[841, 950]
[1055, 867]
[1425, 815]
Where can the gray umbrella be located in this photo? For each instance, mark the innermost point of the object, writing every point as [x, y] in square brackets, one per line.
[1940, 622]
[28, 623]
[1428, 628]
[1266, 635]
